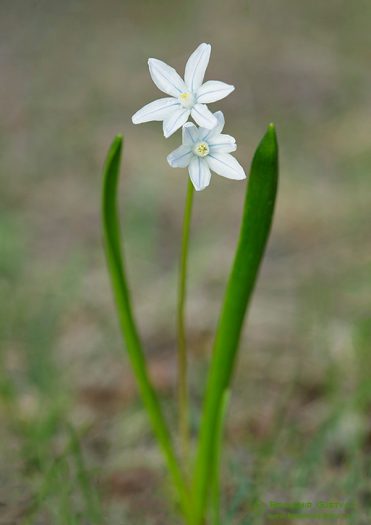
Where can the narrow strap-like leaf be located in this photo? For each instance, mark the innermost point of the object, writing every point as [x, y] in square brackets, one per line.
[255, 228]
[215, 489]
[112, 245]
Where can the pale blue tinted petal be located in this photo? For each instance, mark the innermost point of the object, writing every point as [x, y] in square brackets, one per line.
[199, 173]
[180, 157]
[190, 134]
[207, 134]
[196, 67]
[175, 121]
[222, 144]
[203, 116]
[165, 77]
[157, 110]
[220, 119]
[212, 91]
[225, 165]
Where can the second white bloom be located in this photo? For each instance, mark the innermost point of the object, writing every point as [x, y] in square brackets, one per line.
[203, 150]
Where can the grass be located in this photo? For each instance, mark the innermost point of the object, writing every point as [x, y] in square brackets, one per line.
[35, 398]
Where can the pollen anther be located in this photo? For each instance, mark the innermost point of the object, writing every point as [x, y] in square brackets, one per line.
[186, 99]
[201, 149]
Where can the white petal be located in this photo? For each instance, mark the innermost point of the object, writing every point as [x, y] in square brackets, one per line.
[220, 118]
[196, 67]
[157, 110]
[222, 144]
[180, 157]
[212, 91]
[166, 78]
[190, 134]
[200, 173]
[225, 165]
[207, 134]
[175, 121]
[203, 116]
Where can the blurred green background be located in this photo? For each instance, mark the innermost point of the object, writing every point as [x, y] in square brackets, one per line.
[75, 445]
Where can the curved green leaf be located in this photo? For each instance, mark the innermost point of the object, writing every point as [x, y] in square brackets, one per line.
[112, 245]
[255, 228]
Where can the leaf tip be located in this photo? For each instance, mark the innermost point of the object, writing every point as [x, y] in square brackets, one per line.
[271, 131]
[112, 162]
[117, 141]
[270, 136]
[115, 149]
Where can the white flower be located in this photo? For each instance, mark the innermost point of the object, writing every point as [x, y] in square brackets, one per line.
[204, 150]
[187, 97]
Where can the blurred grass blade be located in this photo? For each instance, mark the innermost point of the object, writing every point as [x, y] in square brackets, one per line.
[93, 508]
[255, 228]
[112, 245]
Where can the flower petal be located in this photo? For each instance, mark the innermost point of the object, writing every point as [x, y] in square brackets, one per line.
[180, 157]
[222, 144]
[196, 67]
[220, 118]
[166, 78]
[203, 116]
[156, 110]
[190, 134]
[213, 90]
[199, 173]
[207, 134]
[175, 121]
[225, 165]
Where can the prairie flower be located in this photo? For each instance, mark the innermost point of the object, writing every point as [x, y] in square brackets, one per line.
[205, 149]
[188, 97]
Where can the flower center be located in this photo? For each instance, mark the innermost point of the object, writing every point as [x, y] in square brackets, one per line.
[201, 149]
[186, 99]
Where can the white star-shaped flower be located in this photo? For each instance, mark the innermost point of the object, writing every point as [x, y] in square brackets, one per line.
[187, 97]
[203, 150]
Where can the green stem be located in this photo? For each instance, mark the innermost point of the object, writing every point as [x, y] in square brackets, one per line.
[182, 346]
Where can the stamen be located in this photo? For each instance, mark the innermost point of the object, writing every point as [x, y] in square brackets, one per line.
[201, 149]
[186, 99]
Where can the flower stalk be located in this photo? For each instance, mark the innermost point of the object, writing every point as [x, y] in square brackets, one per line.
[183, 397]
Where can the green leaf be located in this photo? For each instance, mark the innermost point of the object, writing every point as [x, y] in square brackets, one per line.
[255, 228]
[215, 492]
[116, 267]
